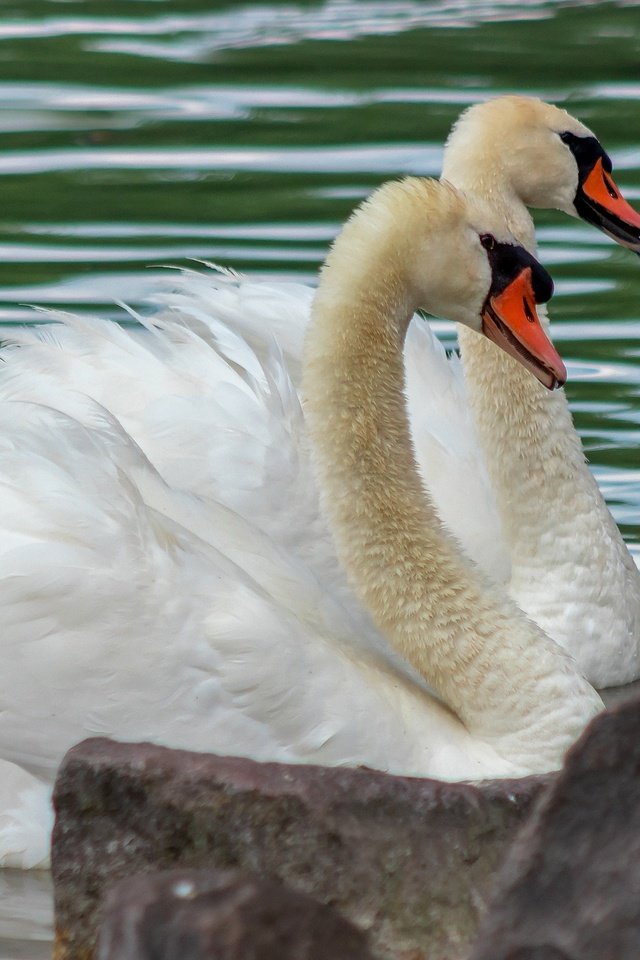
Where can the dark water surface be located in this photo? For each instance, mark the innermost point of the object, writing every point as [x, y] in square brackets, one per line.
[146, 132]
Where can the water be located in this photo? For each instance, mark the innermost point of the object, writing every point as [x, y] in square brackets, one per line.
[138, 133]
[25, 915]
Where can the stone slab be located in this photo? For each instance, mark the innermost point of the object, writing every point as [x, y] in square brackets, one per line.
[409, 861]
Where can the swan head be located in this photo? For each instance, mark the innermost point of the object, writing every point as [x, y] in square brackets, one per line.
[490, 283]
[452, 256]
[548, 159]
[508, 315]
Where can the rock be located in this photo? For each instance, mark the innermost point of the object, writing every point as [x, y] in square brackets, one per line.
[570, 887]
[221, 915]
[409, 861]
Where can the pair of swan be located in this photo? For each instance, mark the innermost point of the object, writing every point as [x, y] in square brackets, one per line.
[166, 572]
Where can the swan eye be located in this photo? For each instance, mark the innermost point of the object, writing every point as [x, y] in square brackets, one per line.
[487, 241]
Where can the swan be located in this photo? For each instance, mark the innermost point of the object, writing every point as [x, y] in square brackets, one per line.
[564, 561]
[133, 607]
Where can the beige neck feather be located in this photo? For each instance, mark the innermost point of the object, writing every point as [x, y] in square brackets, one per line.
[494, 668]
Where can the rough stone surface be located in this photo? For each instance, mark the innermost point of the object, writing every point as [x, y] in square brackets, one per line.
[409, 861]
[221, 915]
[570, 886]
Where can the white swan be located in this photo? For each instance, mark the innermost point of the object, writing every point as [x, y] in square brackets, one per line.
[570, 569]
[132, 608]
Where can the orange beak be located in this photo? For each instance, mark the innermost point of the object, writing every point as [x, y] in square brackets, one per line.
[601, 203]
[509, 318]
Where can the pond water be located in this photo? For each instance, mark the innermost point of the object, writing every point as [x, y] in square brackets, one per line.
[139, 133]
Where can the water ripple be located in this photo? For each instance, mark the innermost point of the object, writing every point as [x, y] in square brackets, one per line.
[348, 158]
[270, 25]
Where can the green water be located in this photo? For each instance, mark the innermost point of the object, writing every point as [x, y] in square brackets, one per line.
[147, 132]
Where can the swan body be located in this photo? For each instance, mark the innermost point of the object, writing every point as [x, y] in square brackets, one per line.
[167, 571]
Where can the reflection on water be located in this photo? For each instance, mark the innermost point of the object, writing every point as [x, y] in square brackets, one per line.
[133, 135]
